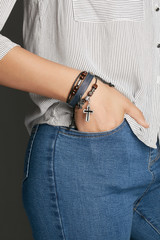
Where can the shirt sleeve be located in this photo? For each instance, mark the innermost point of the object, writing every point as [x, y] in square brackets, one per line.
[6, 44]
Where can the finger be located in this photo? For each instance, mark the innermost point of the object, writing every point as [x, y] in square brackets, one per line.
[137, 114]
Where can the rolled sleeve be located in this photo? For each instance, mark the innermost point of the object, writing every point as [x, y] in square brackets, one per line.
[5, 43]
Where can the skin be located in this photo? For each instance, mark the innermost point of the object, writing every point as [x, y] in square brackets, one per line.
[26, 71]
[109, 115]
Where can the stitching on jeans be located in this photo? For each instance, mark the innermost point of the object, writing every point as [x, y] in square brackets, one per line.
[30, 151]
[148, 221]
[100, 135]
[153, 178]
[56, 197]
[156, 158]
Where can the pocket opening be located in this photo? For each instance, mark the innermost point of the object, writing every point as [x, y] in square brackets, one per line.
[76, 132]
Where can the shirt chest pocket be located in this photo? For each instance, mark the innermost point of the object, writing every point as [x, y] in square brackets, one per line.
[101, 11]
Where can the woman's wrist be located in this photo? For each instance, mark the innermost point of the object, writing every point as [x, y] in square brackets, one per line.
[89, 87]
[26, 71]
[99, 84]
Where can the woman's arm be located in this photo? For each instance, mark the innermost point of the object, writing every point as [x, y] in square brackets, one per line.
[23, 70]
[29, 72]
[26, 71]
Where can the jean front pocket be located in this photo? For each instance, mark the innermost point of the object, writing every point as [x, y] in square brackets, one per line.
[29, 152]
[77, 133]
[102, 11]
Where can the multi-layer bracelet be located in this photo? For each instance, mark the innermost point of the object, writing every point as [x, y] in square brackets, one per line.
[76, 85]
[87, 98]
[79, 87]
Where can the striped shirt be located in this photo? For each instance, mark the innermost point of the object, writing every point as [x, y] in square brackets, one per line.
[119, 40]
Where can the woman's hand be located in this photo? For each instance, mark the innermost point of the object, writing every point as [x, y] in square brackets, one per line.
[109, 106]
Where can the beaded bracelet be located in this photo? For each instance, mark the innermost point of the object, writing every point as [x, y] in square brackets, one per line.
[81, 90]
[87, 98]
[81, 76]
[81, 103]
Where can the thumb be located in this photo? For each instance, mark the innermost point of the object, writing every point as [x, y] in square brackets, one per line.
[137, 114]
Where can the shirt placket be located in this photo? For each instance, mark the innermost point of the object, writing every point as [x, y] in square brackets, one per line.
[156, 37]
[156, 20]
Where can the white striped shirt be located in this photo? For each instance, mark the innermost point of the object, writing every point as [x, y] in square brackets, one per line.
[115, 39]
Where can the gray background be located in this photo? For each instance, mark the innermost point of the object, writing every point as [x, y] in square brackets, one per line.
[14, 224]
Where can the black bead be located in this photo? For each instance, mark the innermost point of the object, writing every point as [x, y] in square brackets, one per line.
[90, 94]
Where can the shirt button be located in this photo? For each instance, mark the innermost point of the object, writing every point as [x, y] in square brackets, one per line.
[158, 45]
[157, 8]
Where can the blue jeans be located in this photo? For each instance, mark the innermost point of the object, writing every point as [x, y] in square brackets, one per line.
[91, 185]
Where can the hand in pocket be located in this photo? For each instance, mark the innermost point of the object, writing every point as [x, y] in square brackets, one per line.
[109, 106]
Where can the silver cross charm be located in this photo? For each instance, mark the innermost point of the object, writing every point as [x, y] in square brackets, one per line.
[87, 111]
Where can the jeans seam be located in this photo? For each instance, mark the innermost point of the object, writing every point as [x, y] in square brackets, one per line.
[54, 180]
[148, 187]
[147, 221]
[154, 160]
[100, 135]
[30, 151]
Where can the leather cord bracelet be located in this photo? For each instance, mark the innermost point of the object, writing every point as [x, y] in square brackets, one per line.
[87, 98]
[81, 76]
[81, 103]
[102, 80]
[81, 90]
[77, 92]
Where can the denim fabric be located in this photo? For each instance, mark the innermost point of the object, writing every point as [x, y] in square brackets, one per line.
[91, 185]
